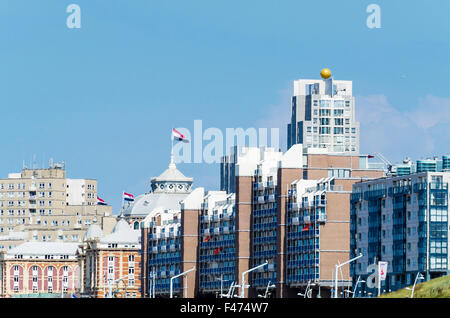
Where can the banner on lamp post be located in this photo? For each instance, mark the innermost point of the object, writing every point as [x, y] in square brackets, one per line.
[382, 269]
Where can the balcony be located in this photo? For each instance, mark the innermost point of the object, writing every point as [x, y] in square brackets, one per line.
[216, 230]
[399, 190]
[356, 197]
[321, 217]
[261, 199]
[226, 230]
[260, 186]
[172, 247]
[295, 221]
[163, 248]
[155, 249]
[418, 187]
[206, 232]
[320, 202]
[374, 194]
[271, 198]
[438, 186]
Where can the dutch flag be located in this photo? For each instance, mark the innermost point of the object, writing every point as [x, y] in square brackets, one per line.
[178, 136]
[100, 201]
[128, 197]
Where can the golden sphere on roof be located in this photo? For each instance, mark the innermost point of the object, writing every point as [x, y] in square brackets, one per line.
[325, 73]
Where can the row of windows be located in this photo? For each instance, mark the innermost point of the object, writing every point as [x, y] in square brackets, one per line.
[21, 186]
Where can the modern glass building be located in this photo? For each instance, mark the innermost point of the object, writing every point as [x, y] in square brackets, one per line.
[402, 220]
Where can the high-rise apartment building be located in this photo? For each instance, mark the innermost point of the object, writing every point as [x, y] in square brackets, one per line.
[323, 116]
[45, 205]
[402, 220]
[291, 210]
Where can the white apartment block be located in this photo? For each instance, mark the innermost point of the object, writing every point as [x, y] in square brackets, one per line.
[323, 116]
[44, 205]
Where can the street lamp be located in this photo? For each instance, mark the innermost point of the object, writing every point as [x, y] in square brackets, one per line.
[230, 291]
[221, 284]
[418, 276]
[336, 273]
[267, 290]
[356, 285]
[308, 290]
[172, 278]
[246, 272]
[110, 283]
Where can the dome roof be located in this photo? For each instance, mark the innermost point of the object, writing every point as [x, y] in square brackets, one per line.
[121, 226]
[172, 174]
[122, 233]
[167, 191]
[94, 231]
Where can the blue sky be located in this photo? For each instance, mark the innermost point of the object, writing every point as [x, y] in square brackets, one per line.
[105, 97]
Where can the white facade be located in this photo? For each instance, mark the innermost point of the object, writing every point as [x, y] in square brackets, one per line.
[75, 191]
[323, 116]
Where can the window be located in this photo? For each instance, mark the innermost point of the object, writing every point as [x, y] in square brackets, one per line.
[338, 130]
[338, 112]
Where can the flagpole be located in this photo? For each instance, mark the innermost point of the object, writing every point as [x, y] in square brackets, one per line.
[171, 151]
[121, 211]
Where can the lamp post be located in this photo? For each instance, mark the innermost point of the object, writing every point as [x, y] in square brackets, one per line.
[230, 291]
[356, 285]
[267, 290]
[246, 272]
[308, 290]
[336, 273]
[221, 284]
[110, 283]
[418, 276]
[176, 276]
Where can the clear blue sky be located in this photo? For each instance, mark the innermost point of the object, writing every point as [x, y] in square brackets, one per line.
[105, 97]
